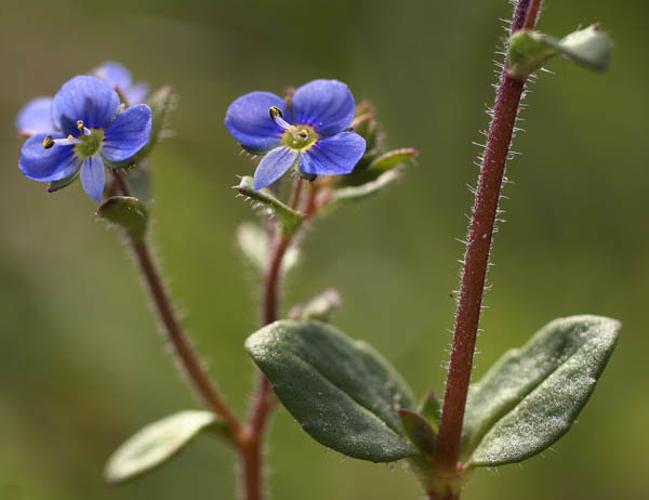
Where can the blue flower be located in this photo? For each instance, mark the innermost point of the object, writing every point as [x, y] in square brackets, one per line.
[118, 77]
[36, 116]
[87, 126]
[310, 132]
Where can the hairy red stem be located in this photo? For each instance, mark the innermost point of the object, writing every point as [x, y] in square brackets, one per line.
[178, 339]
[476, 258]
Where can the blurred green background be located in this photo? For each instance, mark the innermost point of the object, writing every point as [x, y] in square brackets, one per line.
[82, 366]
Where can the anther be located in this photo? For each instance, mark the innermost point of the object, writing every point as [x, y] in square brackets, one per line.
[48, 142]
[277, 116]
[275, 112]
[81, 127]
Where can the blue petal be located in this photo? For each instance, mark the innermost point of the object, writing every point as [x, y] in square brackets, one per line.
[35, 117]
[249, 121]
[114, 74]
[326, 105]
[47, 165]
[128, 134]
[93, 177]
[335, 155]
[273, 166]
[136, 94]
[84, 98]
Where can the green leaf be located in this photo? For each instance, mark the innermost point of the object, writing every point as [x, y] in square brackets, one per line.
[253, 241]
[532, 395]
[357, 193]
[125, 211]
[392, 159]
[590, 47]
[138, 180]
[161, 103]
[418, 430]
[289, 218]
[378, 166]
[341, 391]
[320, 308]
[156, 443]
[431, 408]
[366, 125]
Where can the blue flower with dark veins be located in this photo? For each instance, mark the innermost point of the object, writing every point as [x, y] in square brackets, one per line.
[87, 128]
[309, 133]
[118, 77]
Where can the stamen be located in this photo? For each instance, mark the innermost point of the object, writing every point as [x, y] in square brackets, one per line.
[49, 142]
[81, 127]
[278, 117]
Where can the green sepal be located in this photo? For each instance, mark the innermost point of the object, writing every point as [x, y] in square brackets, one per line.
[289, 218]
[341, 391]
[431, 408]
[418, 430]
[156, 443]
[319, 308]
[127, 212]
[528, 51]
[54, 186]
[532, 395]
[253, 242]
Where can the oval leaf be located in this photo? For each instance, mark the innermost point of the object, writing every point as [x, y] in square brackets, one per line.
[532, 395]
[155, 444]
[341, 391]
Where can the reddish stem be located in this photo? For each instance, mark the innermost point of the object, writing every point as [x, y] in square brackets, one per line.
[476, 259]
[251, 446]
[532, 15]
[178, 339]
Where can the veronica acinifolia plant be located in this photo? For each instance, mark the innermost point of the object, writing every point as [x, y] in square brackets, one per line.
[341, 391]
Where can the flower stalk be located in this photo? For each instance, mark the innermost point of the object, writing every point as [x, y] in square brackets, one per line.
[476, 261]
[183, 350]
[262, 406]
